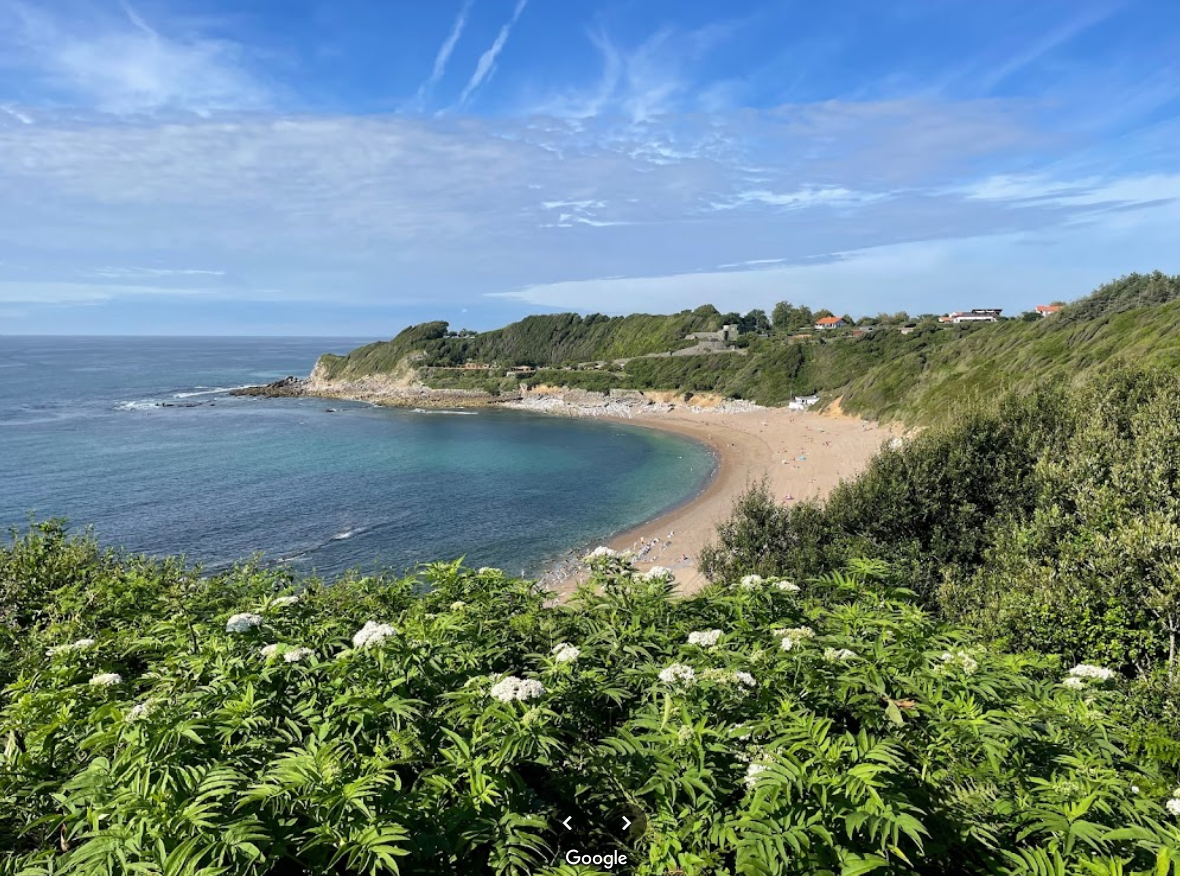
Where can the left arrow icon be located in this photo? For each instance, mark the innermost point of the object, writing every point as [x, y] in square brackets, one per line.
[566, 823]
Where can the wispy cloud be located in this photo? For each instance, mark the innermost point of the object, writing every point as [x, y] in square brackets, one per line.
[841, 197]
[444, 54]
[809, 196]
[141, 273]
[15, 113]
[1045, 44]
[485, 67]
[121, 64]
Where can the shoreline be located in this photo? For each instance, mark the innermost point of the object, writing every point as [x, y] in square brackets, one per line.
[801, 455]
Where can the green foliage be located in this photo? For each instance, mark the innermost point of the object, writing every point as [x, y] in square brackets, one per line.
[1047, 522]
[878, 741]
[916, 377]
[551, 339]
[1131, 292]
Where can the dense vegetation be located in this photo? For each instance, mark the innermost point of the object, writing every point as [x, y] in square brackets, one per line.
[1048, 521]
[883, 374]
[158, 722]
[963, 662]
[536, 340]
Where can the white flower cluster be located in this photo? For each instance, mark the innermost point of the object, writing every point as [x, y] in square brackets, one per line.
[295, 655]
[786, 586]
[1074, 682]
[242, 623]
[564, 652]
[270, 651]
[704, 638]
[372, 633]
[80, 645]
[488, 570]
[837, 655]
[959, 659]
[753, 771]
[678, 675]
[750, 582]
[602, 552]
[512, 688]
[141, 710]
[658, 573]
[743, 681]
[1093, 673]
[106, 679]
[794, 636]
[283, 601]
[458, 605]
[1173, 805]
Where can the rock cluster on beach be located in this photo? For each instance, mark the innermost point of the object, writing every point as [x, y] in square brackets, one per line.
[549, 400]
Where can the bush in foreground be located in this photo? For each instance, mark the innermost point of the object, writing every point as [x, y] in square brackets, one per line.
[448, 722]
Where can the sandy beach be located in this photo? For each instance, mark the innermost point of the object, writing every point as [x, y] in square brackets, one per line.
[801, 454]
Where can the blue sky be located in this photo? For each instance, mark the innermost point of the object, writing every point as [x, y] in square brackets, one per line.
[346, 167]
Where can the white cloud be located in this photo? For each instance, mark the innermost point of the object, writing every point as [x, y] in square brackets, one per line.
[444, 53]
[120, 64]
[365, 211]
[1013, 271]
[809, 196]
[140, 273]
[23, 118]
[487, 61]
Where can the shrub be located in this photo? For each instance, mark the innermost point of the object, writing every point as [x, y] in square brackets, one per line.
[449, 721]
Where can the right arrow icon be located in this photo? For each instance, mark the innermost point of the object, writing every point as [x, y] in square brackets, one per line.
[626, 822]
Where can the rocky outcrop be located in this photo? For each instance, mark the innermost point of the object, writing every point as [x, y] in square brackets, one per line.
[288, 387]
[379, 390]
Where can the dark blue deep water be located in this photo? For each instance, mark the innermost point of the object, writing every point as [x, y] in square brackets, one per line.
[85, 434]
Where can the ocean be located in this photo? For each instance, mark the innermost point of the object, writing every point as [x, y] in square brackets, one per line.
[138, 438]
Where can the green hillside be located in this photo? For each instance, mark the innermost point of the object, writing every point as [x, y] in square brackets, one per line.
[550, 339]
[883, 373]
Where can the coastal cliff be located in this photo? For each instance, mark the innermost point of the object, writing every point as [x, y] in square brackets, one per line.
[561, 400]
[912, 374]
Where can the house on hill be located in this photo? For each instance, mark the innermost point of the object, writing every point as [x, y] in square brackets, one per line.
[727, 334]
[1048, 309]
[829, 322]
[986, 314]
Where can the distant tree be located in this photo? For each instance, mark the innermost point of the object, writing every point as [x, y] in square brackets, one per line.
[755, 321]
[821, 314]
[1030, 316]
[848, 320]
[788, 317]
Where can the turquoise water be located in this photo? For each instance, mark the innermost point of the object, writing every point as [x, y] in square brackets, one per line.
[99, 430]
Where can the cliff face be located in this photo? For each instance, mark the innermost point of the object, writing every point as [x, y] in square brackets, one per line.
[400, 388]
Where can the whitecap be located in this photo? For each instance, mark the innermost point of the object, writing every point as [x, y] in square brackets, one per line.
[441, 411]
[206, 390]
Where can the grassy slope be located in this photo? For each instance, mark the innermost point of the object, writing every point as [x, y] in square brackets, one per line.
[885, 375]
[920, 384]
[550, 339]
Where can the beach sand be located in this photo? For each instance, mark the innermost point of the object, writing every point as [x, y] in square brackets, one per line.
[801, 454]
